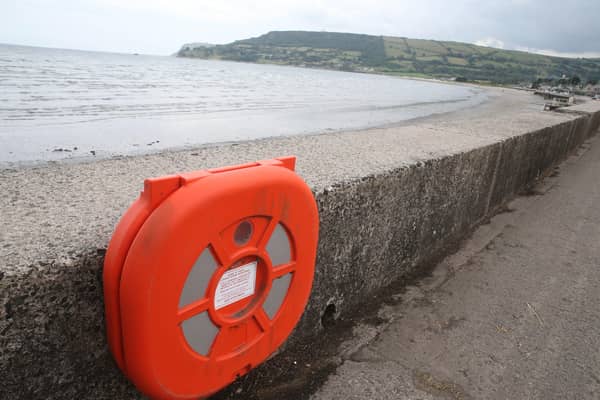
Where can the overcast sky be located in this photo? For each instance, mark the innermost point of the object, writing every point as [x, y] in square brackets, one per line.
[569, 28]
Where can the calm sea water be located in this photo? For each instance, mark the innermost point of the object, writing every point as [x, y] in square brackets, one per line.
[57, 104]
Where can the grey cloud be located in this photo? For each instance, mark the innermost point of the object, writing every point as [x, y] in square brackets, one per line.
[153, 26]
[558, 25]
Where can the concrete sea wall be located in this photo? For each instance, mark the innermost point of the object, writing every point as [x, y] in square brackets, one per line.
[391, 202]
[405, 219]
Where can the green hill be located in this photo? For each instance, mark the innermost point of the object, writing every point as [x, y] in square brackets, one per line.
[397, 55]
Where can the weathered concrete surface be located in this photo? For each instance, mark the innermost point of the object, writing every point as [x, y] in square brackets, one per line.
[390, 200]
[513, 315]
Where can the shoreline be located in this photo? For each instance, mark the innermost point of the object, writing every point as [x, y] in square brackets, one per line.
[484, 96]
[146, 116]
[482, 84]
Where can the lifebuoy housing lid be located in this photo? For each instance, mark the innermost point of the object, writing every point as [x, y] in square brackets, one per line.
[156, 190]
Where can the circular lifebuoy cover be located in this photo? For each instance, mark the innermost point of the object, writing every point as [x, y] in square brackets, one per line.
[207, 274]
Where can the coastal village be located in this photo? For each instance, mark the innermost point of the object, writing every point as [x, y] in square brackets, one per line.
[564, 91]
[566, 85]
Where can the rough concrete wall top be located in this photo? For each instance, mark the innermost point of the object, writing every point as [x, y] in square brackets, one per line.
[55, 212]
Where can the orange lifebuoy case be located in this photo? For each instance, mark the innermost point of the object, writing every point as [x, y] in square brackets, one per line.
[207, 274]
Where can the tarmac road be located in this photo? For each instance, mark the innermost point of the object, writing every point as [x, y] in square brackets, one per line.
[514, 315]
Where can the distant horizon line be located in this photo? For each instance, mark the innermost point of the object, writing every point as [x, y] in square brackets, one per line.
[84, 50]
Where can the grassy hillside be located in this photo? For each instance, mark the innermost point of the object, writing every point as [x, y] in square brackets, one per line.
[397, 55]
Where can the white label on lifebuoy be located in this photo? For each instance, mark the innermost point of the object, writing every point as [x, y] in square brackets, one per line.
[235, 285]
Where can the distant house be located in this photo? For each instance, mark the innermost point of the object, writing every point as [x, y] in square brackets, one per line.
[563, 98]
[560, 98]
[557, 100]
